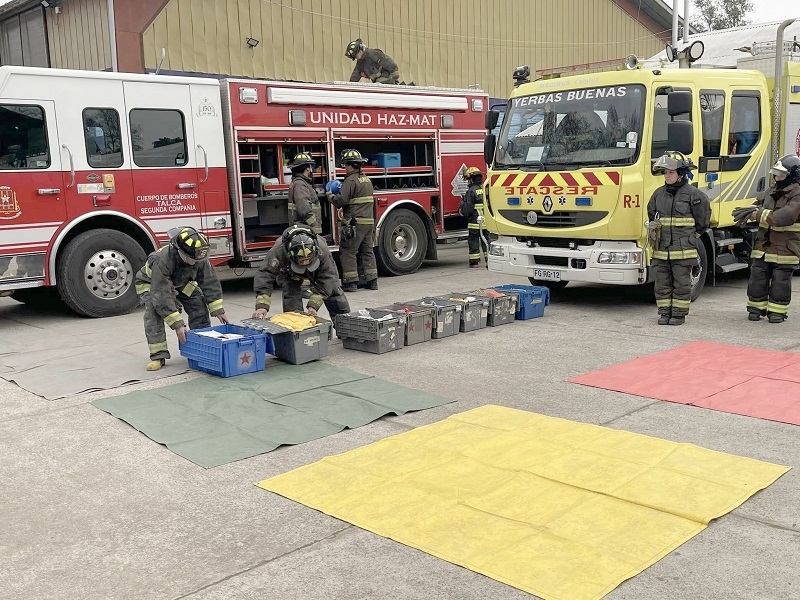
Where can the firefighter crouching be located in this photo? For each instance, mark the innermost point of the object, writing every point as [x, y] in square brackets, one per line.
[471, 207]
[174, 277]
[776, 251]
[678, 213]
[371, 63]
[304, 208]
[300, 255]
[357, 226]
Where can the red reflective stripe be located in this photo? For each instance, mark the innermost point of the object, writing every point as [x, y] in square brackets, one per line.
[592, 179]
[495, 178]
[569, 179]
[547, 181]
[509, 180]
[613, 176]
[528, 179]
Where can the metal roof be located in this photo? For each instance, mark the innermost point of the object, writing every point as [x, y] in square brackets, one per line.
[721, 46]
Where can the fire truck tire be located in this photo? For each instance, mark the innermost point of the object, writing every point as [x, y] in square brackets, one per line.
[403, 243]
[96, 271]
[699, 272]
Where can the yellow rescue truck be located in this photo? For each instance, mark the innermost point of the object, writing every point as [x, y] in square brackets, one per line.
[570, 171]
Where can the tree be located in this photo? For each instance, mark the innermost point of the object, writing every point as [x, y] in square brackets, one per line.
[711, 15]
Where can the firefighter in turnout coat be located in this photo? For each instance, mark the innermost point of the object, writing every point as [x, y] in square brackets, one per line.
[371, 63]
[357, 226]
[471, 208]
[678, 213]
[300, 255]
[174, 277]
[776, 251]
[304, 208]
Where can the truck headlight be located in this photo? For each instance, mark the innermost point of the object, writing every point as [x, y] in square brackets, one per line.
[496, 250]
[618, 258]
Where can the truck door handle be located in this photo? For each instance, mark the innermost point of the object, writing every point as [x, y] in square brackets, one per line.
[102, 200]
[71, 165]
[48, 191]
[186, 186]
[205, 160]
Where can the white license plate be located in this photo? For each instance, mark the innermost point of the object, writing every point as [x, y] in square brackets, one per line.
[547, 275]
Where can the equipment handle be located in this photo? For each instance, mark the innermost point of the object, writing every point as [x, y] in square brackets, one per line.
[205, 160]
[71, 165]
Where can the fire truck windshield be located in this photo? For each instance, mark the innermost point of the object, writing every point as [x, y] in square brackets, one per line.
[572, 129]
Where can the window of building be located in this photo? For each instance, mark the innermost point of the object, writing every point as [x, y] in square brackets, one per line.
[712, 110]
[23, 41]
[158, 138]
[101, 131]
[745, 122]
[23, 137]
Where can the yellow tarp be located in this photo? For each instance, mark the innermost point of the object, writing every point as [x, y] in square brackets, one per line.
[560, 509]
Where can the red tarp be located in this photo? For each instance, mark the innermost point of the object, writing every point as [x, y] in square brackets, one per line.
[744, 381]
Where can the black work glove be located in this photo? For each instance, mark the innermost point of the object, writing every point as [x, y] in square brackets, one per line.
[743, 214]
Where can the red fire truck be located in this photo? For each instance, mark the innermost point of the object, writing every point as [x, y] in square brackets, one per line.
[97, 168]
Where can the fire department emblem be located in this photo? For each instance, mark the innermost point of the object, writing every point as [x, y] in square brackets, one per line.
[206, 109]
[93, 178]
[562, 200]
[9, 207]
[547, 204]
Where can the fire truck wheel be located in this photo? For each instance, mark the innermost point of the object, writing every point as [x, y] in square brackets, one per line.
[96, 271]
[699, 271]
[403, 243]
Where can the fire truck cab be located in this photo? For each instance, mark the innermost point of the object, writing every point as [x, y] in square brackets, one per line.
[97, 168]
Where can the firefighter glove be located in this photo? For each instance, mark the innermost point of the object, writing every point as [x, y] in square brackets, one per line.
[743, 214]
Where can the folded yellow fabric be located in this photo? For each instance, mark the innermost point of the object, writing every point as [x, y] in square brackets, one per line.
[294, 321]
[560, 509]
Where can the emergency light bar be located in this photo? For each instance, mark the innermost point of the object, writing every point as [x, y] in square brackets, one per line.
[363, 99]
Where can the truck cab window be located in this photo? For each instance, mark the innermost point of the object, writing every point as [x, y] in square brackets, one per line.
[23, 138]
[659, 143]
[158, 137]
[712, 109]
[101, 132]
[745, 123]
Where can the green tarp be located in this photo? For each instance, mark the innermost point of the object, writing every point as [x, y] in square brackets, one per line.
[212, 421]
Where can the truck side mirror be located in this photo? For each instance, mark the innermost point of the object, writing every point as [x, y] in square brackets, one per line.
[679, 103]
[680, 136]
[489, 146]
[490, 119]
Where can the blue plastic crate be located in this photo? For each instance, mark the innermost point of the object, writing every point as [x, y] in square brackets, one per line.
[226, 358]
[385, 160]
[532, 299]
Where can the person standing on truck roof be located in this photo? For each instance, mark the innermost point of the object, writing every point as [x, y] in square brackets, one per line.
[177, 276]
[678, 214]
[304, 208]
[357, 227]
[371, 63]
[471, 208]
[300, 255]
[776, 251]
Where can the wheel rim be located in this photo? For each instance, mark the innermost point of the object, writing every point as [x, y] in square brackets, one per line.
[404, 242]
[697, 271]
[107, 274]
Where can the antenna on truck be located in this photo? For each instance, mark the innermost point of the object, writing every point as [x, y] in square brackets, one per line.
[161, 62]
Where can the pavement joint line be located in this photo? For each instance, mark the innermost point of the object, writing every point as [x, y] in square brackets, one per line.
[631, 412]
[766, 522]
[42, 412]
[264, 562]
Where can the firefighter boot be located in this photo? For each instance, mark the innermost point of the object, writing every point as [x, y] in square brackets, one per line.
[155, 365]
[776, 318]
[754, 316]
[350, 287]
[372, 285]
[677, 320]
[663, 319]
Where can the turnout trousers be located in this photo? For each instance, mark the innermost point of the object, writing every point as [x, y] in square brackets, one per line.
[673, 285]
[362, 245]
[155, 328]
[770, 288]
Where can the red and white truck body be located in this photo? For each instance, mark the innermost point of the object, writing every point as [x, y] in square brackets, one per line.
[96, 168]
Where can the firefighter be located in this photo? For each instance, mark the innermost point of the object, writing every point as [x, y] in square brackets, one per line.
[297, 256]
[371, 63]
[471, 208]
[357, 227]
[304, 205]
[681, 213]
[776, 251]
[174, 277]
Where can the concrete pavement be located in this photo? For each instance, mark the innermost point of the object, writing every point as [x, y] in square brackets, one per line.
[92, 509]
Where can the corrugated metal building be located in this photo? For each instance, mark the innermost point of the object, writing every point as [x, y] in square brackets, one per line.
[453, 43]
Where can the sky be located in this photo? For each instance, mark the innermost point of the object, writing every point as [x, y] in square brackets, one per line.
[764, 11]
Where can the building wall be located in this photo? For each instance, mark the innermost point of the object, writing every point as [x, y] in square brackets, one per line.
[453, 43]
[78, 35]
